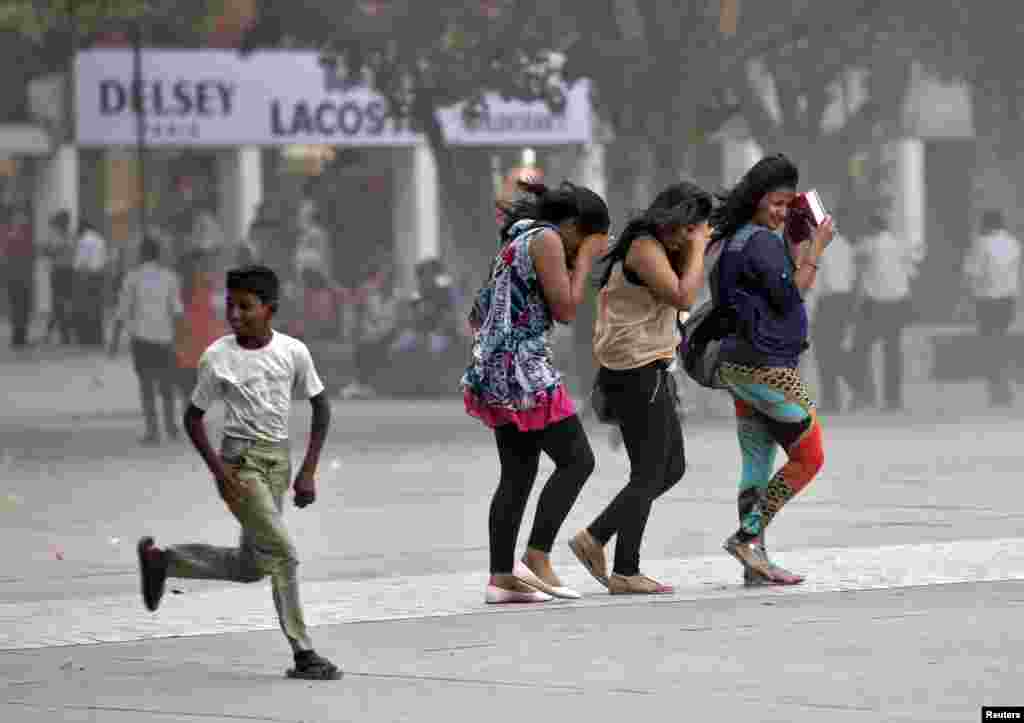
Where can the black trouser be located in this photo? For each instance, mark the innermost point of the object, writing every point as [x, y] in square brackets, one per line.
[61, 286]
[833, 317]
[995, 316]
[885, 321]
[371, 356]
[186, 379]
[566, 444]
[154, 365]
[644, 401]
[90, 302]
[19, 297]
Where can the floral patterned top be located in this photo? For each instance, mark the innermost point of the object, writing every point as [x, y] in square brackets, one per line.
[511, 379]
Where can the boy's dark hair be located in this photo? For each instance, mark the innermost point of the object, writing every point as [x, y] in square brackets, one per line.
[261, 281]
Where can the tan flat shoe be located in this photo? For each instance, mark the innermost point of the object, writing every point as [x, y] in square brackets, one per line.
[525, 575]
[591, 554]
[637, 585]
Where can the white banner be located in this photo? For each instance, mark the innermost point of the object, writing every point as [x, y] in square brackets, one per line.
[219, 98]
[515, 123]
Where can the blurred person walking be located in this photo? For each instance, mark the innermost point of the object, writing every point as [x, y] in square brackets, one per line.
[378, 319]
[90, 277]
[761, 282]
[61, 249]
[19, 259]
[550, 241]
[831, 322]
[150, 307]
[313, 244]
[885, 265]
[654, 271]
[993, 274]
[204, 320]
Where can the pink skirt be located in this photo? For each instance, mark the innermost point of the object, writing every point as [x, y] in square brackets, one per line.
[550, 407]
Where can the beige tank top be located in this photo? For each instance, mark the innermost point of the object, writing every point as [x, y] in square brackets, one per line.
[634, 328]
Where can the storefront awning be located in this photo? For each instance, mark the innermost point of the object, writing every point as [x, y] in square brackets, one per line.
[24, 140]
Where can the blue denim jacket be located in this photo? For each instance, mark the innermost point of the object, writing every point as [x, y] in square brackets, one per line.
[755, 279]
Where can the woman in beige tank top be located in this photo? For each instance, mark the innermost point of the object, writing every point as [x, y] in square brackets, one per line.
[655, 271]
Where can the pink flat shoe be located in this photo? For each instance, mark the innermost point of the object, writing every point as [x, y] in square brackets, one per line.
[499, 596]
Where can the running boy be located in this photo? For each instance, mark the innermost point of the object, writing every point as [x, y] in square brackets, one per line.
[256, 372]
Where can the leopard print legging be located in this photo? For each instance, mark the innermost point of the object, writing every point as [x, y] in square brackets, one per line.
[773, 409]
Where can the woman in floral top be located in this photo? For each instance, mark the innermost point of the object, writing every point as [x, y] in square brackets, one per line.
[549, 243]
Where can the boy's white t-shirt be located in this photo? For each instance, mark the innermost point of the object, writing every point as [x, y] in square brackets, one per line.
[256, 385]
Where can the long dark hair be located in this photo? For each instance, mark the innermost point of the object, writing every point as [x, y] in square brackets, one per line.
[555, 205]
[739, 204]
[680, 204]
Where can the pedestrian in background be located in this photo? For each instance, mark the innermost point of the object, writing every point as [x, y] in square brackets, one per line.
[831, 323]
[886, 264]
[377, 331]
[61, 248]
[19, 273]
[204, 320]
[150, 307]
[90, 274]
[993, 270]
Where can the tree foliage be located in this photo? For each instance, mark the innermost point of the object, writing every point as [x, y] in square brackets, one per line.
[425, 57]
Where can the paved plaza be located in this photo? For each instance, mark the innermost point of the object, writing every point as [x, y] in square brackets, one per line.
[912, 541]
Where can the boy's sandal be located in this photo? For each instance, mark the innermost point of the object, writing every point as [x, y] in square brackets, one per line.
[314, 667]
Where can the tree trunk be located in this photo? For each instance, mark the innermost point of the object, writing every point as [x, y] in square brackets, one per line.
[468, 229]
[631, 172]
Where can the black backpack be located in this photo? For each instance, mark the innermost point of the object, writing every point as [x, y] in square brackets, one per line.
[702, 335]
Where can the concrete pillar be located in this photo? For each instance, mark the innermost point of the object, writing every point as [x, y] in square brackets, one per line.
[240, 173]
[738, 155]
[417, 218]
[907, 189]
[57, 187]
[590, 168]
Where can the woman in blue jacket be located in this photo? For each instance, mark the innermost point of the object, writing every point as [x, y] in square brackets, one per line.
[762, 279]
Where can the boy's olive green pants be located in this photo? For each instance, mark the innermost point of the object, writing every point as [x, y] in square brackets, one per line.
[265, 547]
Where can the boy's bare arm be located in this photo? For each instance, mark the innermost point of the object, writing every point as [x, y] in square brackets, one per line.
[230, 488]
[196, 430]
[305, 482]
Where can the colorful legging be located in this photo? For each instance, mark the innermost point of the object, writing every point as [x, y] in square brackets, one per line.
[773, 409]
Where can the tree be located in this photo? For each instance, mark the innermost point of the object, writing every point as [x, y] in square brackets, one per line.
[43, 35]
[655, 71]
[856, 58]
[425, 57]
[978, 45]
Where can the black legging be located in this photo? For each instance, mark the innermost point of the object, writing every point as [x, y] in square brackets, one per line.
[566, 444]
[644, 402]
